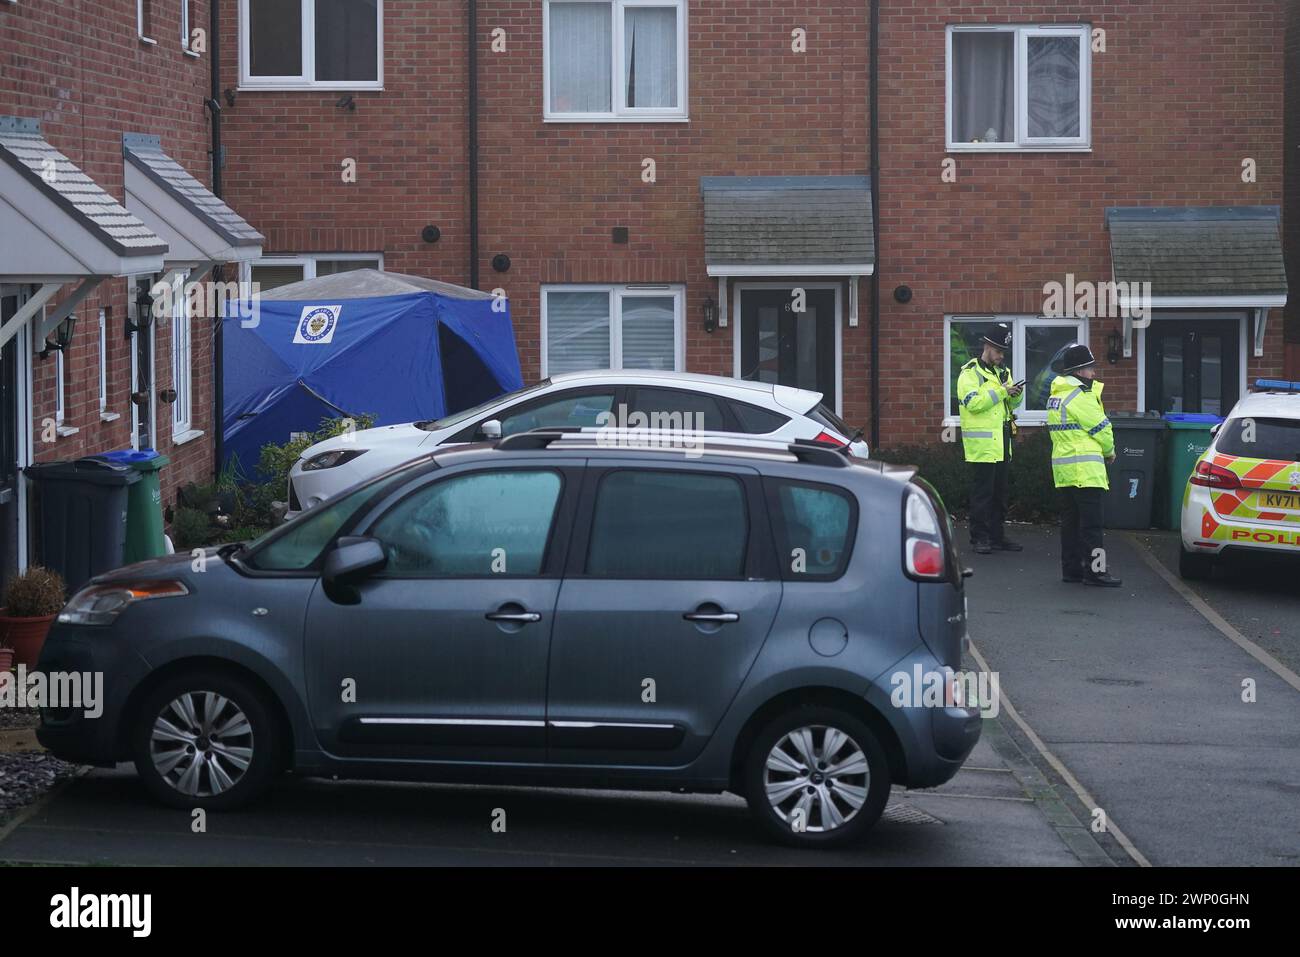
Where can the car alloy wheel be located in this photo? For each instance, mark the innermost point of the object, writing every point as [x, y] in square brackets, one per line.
[201, 743]
[816, 778]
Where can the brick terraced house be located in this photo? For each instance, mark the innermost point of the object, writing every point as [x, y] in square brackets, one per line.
[104, 152]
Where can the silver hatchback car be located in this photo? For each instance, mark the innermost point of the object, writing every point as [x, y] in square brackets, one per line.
[550, 610]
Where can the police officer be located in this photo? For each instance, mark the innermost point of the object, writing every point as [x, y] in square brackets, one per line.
[1083, 444]
[988, 399]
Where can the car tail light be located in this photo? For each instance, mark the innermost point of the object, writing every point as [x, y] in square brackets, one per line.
[924, 555]
[826, 438]
[1210, 475]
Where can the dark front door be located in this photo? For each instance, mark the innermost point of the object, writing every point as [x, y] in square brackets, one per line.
[9, 412]
[1193, 365]
[781, 345]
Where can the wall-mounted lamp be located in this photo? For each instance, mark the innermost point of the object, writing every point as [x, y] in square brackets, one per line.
[62, 337]
[1113, 341]
[710, 310]
[143, 312]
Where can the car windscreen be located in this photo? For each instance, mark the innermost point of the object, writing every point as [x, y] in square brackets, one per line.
[465, 415]
[1253, 438]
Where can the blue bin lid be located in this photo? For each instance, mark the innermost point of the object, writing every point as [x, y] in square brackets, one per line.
[1193, 418]
[127, 456]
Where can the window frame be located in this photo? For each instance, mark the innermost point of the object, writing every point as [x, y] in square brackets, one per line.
[185, 25]
[182, 363]
[1023, 143]
[620, 112]
[1018, 324]
[60, 387]
[306, 80]
[144, 20]
[307, 261]
[617, 293]
[103, 362]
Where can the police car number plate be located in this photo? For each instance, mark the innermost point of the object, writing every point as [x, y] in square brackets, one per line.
[1279, 499]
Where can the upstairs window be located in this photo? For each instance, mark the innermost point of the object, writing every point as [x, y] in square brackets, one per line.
[1014, 88]
[614, 59]
[327, 44]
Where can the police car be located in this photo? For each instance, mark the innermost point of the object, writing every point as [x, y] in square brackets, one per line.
[1244, 493]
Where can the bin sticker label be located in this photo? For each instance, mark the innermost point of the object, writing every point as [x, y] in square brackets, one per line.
[316, 325]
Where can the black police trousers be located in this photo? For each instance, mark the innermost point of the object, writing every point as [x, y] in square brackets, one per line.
[988, 500]
[1081, 533]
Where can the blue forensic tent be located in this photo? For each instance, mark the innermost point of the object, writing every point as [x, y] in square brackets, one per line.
[402, 348]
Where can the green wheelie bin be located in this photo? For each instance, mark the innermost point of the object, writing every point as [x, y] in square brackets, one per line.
[1188, 437]
[144, 512]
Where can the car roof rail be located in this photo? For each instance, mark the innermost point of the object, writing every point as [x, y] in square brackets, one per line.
[803, 450]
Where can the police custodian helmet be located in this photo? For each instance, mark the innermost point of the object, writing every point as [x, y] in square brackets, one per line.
[998, 336]
[1077, 357]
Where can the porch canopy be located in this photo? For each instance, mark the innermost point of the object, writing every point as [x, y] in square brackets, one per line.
[788, 226]
[59, 226]
[1210, 257]
[200, 230]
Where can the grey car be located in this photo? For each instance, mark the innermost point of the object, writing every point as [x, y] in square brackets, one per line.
[549, 610]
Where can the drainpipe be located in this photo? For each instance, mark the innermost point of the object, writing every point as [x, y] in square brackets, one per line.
[472, 66]
[218, 337]
[873, 83]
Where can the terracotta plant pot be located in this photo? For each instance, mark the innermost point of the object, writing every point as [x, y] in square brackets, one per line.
[6, 659]
[25, 636]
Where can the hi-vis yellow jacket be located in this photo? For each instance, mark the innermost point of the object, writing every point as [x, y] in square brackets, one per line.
[985, 406]
[1081, 434]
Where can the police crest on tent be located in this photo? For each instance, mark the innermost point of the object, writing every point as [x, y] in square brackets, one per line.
[316, 325]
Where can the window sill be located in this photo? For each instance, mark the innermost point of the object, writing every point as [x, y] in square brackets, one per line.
[63, 431]
[146, 40]
[615, 119]
[1000, 148]
[191, 53]
[189, 435]
[309, 88]
[109, 416]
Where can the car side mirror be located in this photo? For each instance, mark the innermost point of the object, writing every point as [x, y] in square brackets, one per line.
[353, 559]
[490, 430]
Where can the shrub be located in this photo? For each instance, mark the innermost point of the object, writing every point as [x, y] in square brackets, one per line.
[190, 528]
[276, 460]
[35, 593]
[1032, 495]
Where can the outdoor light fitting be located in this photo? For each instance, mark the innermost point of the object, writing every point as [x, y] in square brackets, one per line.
[710, 310]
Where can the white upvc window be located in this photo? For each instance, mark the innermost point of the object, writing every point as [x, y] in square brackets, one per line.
[1019, 88]
[272, 271]
[185, 23]
[612, 327]
[103, 362]
[182, 368]
[322, 44]
[608, 60]
[60, 386]
[144, 20]
[1037, 340]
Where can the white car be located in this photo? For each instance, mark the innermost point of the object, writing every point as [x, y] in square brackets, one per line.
[1244, 493]
[668, 400]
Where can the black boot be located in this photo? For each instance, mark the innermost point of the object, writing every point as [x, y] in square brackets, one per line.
[1007, 545]
[1103, 581]
[982, 548]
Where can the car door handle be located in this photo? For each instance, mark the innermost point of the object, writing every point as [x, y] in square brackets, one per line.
[720, 618]
[518, 618]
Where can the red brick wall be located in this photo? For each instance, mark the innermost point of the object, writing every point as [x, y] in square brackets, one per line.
[1179, 99]
[1291, 209]
[550, 192]
[79, 68]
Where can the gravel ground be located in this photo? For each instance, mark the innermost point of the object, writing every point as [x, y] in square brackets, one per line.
[11, 718]
[25, 776]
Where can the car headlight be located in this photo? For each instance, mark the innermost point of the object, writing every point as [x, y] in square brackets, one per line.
[329, 460]
[101, 604]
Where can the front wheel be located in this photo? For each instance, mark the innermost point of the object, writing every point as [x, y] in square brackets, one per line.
[1194, 567]
[816, 777]
[206, 740]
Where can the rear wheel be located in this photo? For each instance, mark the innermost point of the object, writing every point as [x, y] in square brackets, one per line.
[206, 740]
[1195, 567]
[816, 777]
